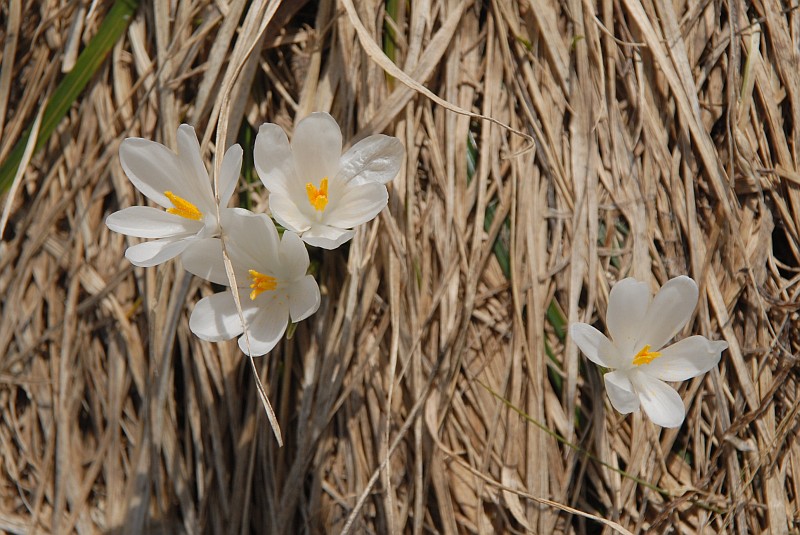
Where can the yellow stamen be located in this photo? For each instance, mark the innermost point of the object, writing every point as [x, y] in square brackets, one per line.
[261, 283]
[645, 356]
[182, 207]
[318, 197]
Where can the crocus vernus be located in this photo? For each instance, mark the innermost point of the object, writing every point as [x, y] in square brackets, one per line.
[181, 185]
[272, 283]
[317, 191]
[640, 327]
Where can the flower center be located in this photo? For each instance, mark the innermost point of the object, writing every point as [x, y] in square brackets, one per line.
[318, 197]
[261, 283]
[645, 356]
[182, 207]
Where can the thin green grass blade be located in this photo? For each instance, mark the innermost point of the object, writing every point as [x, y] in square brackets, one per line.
[247, 140]
[500, 247]
[557, 320]
[390, 36]
[641, 481]
[73, 84]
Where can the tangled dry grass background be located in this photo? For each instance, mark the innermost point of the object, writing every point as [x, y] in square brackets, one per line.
[653, 138]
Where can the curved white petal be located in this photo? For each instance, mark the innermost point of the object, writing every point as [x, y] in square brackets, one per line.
[304, 298]
[210, 225]
[229, 173]
[594, 345]
[149, 222]
[195, 174]
[669, 311]
[251, 242]
[238, 227]
[229, 214]
[316, 147]
[266, 328]
[154, 252]
[215, 318]
[659, 400]
[235, 218]
[621, 392]
[293, 256]
[326, 237]
[287, 213]
[152, 168]
[273, 159]
[627, 307]
[357, 205]
[243, 229]
[203, 258]
[374, 159]
[688, 358]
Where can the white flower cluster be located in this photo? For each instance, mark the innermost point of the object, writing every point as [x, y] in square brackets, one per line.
[318, 194]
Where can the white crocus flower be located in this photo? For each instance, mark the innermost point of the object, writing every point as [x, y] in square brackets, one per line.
[317, 191]
[272, 280]
[181, 185]
[640, 326]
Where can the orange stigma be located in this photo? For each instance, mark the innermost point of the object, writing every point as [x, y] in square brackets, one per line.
[645, 356]
[182, 207]
[318, 197]
[261, 283]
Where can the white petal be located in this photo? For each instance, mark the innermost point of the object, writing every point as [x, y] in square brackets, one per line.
[293, 256]
[227, 214]
[683, 360]
[327, 237]
[253, 243]
[273, 160]
[659, 400]
[215, 318]
[304, 298]
[194, 170]
[594, 345]
[239, 227]
[669, 311]
[210, 225]
[375, 159]
[627, 307]
[229, 173]
[621, 393]
[358, 205]
[154, 252]
[287, 213]
[203, 258]
[152, 168]
[316, 147]
[228, 218]
[266, 329]
[149, 222]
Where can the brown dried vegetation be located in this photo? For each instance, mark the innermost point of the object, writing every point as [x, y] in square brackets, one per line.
[630, 137]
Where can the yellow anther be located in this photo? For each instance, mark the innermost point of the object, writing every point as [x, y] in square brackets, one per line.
[318, 197]
[261, 283]
[182, 207]
[645, 356]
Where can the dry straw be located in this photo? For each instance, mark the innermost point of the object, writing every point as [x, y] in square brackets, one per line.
[552, 149]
